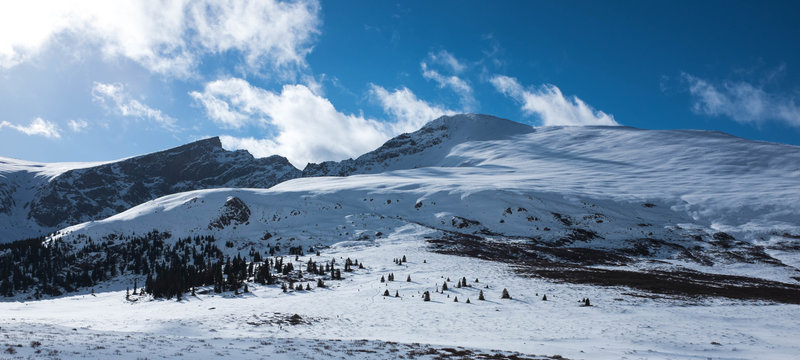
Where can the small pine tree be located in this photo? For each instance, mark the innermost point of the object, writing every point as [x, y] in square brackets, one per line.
[308, 287]
[396, 293]
[408, 279]
[320, 283]
[383, 279]
[455, 299]
[480, 296]
[426, 296]
[544, 297]
[505, 294]
[386, 292]
[404, 258]
[586, 302]
[467, 301]
[444, 286]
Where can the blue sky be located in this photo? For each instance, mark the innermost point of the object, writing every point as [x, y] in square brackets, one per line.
[98, 80]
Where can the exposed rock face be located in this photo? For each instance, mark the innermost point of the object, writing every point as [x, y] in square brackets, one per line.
[97, 192]
[235, 211]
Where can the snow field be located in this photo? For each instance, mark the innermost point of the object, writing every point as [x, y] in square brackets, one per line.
[620, 324]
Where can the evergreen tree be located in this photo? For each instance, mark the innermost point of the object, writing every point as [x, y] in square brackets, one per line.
[455, 299]
[386, 292]
[505, 294]
[544, 297]
[444, 286]
[426, 296]
[480, 296]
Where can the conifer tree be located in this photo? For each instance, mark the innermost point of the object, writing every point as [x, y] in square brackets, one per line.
[505, 294]
[455, 299]
[467, 301]
[382, 279]
[544, 297]
[480, 296]
[386, 292]
[426, 296]
[444, 286]
[408, 279]
[396, 293]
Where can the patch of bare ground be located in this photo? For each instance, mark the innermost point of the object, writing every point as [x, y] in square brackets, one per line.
[573, 265]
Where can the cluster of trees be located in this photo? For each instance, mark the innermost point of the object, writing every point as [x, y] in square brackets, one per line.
[171, 268]
[52, 268]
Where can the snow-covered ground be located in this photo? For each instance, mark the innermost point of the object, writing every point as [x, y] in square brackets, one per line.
[663, 200]
[621, 324]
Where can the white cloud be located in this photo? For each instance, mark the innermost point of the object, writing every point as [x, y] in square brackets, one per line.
[742, 102]
[307, 127]
[38, 127]
[166, 37]
[78, 125]
[550, 105]
[114, 96]
[455, 83]
[408, 111]
[443, 57]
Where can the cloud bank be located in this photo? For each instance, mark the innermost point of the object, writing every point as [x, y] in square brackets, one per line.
[742, 102]
[166, 37]
[306, 127]
[550, 105]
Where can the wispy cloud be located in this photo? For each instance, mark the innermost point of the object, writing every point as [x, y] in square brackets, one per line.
[38, 127]
[118, 100]
[453, 81]
[165, 37]
[444, 57]
[741, 101]
[408, 112]
[78, 125]
[550, 105]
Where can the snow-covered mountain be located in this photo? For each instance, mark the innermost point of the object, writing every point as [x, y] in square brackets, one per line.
[695, 197]
[433, 246]
[428, 146]
[39, 198]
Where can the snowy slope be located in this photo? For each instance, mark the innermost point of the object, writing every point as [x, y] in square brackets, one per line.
[19, 181]
[51, 196]
[619, 325]
[670, 195]
[428, 146]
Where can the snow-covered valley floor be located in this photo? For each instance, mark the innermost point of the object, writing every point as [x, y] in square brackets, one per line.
[351, 318]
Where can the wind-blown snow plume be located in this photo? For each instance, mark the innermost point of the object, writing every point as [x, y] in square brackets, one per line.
[550, 105]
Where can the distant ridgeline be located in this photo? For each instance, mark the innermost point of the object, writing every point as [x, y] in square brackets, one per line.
[36, 267]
